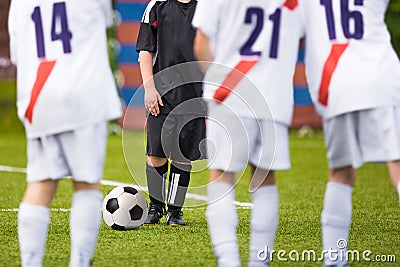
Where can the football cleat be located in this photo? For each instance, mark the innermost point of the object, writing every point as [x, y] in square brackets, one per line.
[174, 218]
[156, 212]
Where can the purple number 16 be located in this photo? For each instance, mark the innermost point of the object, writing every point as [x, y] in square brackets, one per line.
[64, 35]
[346, 17]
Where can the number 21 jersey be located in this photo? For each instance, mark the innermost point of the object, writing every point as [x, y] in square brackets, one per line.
[259, 39]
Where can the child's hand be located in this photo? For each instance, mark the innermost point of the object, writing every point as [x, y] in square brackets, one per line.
[152, 101]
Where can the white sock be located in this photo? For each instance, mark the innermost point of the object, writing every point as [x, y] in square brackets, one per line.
[264, 223]
[85, 223]
[33, 224]
[222, 222]
[336, 220]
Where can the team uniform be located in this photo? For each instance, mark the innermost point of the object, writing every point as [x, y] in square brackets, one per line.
[160, 36]
[65, 96]
[249, 91]
[353, 75]
[61, 86]
[178, 130]
[265, 94]
[352, 69]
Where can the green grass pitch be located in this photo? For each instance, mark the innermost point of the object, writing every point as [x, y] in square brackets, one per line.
[376, 212]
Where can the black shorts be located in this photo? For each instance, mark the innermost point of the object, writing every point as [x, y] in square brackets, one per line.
[177, 137]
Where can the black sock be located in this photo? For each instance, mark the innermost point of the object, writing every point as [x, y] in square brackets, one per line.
[156, 177]
[179, 177]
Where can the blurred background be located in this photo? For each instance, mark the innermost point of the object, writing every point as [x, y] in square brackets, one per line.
[124, 62]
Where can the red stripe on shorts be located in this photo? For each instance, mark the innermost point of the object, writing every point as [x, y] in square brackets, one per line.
[329, 68]
[43, 73]
[233, 78]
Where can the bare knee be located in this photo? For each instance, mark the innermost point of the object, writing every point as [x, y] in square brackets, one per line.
[222, 177]
[40, 193]
[78, 186]
[345, 175]
[155, 161]
[261, 177]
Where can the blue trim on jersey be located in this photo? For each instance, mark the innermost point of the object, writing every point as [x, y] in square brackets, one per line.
[302, 96]
[128, 55]
[133, 96]
[131, 11]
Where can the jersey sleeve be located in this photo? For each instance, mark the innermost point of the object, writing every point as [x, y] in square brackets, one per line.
[12, 29]
[206, 16]
[147, 38]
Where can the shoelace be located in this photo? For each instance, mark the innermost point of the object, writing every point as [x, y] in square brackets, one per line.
[176, 212]
[155, 209]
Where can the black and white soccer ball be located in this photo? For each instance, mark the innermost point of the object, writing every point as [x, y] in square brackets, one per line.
[124, 208]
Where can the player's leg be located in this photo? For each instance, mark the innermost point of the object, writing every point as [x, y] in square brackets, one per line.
[394, 163]
[179, 178]
[394, 170]
[84, 150]
[343, 152]
[381, 139]
[228, 151]
[156, 174]
[336, 214]
[44, 161]
[85, 221]
[156, 166]
[187, 143]
[264, 216]
[33, 221]
[270, 152]
[222, 217]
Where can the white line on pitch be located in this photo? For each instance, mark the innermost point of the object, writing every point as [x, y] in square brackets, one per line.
[114, 183]
[12, 169]
[52, 209]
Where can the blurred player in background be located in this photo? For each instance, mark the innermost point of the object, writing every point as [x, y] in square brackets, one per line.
[174, 129]
[66, 95]
[249, 115]
[354, 79]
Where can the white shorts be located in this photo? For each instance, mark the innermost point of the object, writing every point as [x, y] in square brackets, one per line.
[371, 135]
[80, 153]
[232, 142]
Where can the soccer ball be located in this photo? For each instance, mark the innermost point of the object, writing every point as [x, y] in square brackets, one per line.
[124, 208]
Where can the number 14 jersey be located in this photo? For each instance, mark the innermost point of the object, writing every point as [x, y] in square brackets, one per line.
[64, 78]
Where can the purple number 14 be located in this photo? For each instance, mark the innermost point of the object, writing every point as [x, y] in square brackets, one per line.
[59, 18]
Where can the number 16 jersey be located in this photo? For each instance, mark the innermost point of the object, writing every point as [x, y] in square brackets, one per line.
[350, 62]
[256, 38]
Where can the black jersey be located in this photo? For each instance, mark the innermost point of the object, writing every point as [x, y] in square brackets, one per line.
[166, 31]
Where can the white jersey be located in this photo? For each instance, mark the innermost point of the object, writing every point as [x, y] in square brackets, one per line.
[64, 78]
[350, 63]
[260, 39]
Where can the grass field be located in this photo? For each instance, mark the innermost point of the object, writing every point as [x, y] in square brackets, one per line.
[376, 213]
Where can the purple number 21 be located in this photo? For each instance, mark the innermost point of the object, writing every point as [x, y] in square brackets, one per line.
[59, 18]
[258, 13]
